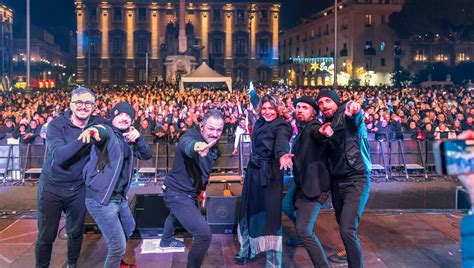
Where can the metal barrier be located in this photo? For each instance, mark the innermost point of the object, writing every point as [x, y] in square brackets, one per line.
[391, 160]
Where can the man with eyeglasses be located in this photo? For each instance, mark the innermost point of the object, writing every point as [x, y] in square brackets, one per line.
[61, 186]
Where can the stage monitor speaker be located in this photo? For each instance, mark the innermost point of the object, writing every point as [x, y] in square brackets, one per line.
[462, 199]
[222, 213]
[150, 212]
[89, 225]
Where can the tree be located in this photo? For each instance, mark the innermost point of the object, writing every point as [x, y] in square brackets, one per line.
[401, 78]
[434, 72]
[463, 72]
[434, 19]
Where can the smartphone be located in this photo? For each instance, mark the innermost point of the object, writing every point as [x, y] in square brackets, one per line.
[454, 157]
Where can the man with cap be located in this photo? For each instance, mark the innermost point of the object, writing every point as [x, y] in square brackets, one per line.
[311, 176]
[61, 185]
[350, 166]
[9, 130]
[108, 175]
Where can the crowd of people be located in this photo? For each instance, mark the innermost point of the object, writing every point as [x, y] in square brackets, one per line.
[164, 114]
[88, 163]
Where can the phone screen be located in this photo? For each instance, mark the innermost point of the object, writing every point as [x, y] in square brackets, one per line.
[458, 156]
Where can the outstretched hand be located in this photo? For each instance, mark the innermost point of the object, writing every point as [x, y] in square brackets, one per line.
[90, 133]
[326, 130]
[286, 161]
[203, 148]
[132, 135]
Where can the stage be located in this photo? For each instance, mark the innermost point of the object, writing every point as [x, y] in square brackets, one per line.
[406, 224]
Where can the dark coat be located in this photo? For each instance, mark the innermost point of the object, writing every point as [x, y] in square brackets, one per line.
[190, 172]
[349, 147]
[66, 156]
[101, 183]
[310, 162]
[263, 183]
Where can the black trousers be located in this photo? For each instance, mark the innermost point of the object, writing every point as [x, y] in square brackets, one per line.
[349, 197]
[51, 202]
[183, 209]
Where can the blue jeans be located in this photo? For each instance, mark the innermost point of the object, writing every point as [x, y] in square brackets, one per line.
[116, 223]
[288, 205]
[308, 210]
[183, 208]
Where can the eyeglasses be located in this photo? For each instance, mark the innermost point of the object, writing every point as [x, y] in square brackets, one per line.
[86, 104]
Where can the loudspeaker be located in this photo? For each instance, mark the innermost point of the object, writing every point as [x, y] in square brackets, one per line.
[89, 224]
[222, 213]
[462, 199]
[150, 212]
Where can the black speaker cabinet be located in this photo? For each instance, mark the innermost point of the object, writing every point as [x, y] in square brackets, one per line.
[222, 213]
[462, 199]
[150, 212]
[89, 225]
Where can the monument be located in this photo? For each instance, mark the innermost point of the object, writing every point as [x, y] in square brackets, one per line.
[183, 62]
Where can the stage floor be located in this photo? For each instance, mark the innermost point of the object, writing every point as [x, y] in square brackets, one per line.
[405, 225]
[388, 240]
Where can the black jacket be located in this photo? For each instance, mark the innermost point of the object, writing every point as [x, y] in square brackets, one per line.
[310, 162]
[101, 183]
[349, 148]
[66, 156]
[8, 132]
[190, 172]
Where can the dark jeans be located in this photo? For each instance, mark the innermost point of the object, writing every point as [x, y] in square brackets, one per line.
[288, 205]
[116, 224]
[308, 210]
[349, 196]
[50, 202]
[183, 208]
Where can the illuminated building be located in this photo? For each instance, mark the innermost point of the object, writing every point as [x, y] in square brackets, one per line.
[117, 39]
[367, 50]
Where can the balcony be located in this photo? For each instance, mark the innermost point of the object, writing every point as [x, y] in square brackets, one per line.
[343, 53]
[369, 51]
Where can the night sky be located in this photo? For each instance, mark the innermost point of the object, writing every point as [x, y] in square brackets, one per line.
[48, 13]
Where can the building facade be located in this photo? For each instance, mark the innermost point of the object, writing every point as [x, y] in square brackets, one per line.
[127, 42]
[425, 52]
[49, 62]
[368, 50]
[6, 46]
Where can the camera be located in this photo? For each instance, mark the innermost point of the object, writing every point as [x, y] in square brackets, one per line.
[454, 157]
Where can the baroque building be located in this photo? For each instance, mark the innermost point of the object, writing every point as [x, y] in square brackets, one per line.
[128, 42]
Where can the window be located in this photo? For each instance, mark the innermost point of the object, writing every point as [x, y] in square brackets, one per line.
[93, 14]
[368, 20]
[441, 57]
[263, 47]
[240, 75]
[420, 55]
[382, 62]
[382, 19]
[463, 57]
[142, 14]
[142, 75]
[142, 45]
[117, 14]
[240, 47]
[327, 30]
[240, 14]
[264, 75]
[397, 63]
[94, 44]
[217, 47]
[263, 15]
[216, 15]
[397, 48]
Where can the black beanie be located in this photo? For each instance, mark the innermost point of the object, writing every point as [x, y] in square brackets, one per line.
[332, 94]
[308, 100]
[122, 107]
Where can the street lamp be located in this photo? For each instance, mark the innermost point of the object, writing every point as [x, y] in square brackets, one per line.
[335, 44]
[28, 55]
